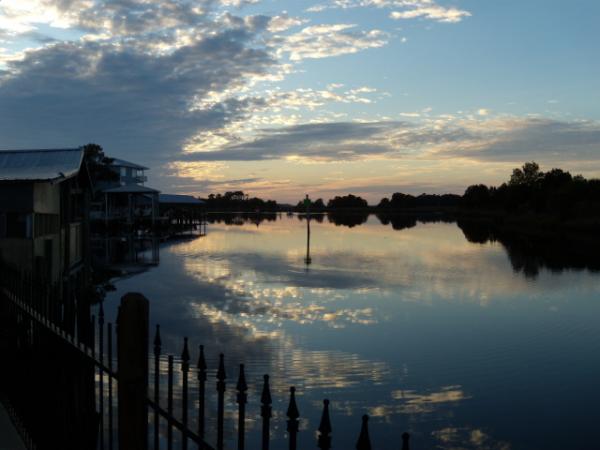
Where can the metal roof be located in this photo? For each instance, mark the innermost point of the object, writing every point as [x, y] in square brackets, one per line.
[39, 165]
[122, 163]
[179, 199]
[131, 189]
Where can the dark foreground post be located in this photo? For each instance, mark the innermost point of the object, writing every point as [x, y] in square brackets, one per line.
[405, 441]
[132, 355]
[293, 422]
[364, 442]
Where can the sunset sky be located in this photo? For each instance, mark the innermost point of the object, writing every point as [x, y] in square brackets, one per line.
[283, 98]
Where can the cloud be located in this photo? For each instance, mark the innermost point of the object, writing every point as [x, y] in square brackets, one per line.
[523, 139]
[433, 12]
[130, 96]
[319, 142]
[324, 41]
[118, 17]
[148, 80]
[478, 139]
[408, 9]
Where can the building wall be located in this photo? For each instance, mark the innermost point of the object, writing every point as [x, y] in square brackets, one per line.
[46, 198]
[40, 247]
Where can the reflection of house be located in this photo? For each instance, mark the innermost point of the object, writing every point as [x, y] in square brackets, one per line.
[124, 198]
[173, 204]
[181, 213]
[44, 196]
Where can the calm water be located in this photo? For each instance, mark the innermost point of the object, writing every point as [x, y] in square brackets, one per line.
[464, 344]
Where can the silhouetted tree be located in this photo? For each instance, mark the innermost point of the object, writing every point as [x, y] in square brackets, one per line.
[476, 196]
[347, 201]
[555, 192]
[239, 201]
[529, 175]
[98, 164]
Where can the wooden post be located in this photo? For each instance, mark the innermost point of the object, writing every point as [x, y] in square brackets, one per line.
[307, 260]
[132, 355]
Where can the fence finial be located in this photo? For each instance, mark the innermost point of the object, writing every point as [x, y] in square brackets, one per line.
[405, 441]
[292, 411]
[364, 443]
[265, 397]
[242, 386]
[324, 442]
[221, 376]
[157, 341]
[185, 354]
[202, 363]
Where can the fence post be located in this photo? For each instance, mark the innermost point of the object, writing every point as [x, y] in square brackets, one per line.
[242, 399]
[132, 356]
[324, 442]
[220, 401]
[266, 412]
[292, 424]
[405, 441]
[364, 442]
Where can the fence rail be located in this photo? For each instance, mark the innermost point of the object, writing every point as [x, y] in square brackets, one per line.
[139, 410]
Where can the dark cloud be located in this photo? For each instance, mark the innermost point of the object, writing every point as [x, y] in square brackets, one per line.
[542, 139]
[132, 102]
[507, 139]
[320, 141]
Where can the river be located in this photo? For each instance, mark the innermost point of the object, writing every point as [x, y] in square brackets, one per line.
[465, 340]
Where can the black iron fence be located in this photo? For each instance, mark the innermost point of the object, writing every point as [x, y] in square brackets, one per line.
[127, 400]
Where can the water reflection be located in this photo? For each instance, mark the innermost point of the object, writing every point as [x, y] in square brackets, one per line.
[529, 254]
[411, 323]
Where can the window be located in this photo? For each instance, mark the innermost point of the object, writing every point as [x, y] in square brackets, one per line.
[15, 225]
[123, 171]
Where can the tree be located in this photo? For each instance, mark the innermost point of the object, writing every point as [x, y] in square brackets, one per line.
[476, 195]
[556, 178]
[347, 201]
[400, 200]
[384, 203]
[98, 164]
[318, 205]
[529, 175]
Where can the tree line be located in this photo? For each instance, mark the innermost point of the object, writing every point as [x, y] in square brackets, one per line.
[529, 190]
[239, 201]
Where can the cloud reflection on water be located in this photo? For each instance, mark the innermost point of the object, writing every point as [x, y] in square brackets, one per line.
[379, 322]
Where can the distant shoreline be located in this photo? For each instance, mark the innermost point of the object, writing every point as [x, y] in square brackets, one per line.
[539, 225]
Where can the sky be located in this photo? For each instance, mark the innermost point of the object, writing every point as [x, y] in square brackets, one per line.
[282, 98]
